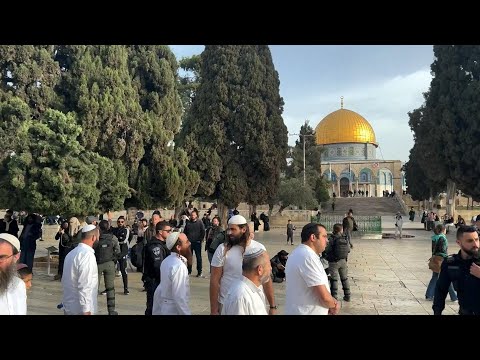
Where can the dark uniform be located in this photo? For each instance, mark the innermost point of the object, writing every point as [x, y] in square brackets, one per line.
[336, 253]
[457, 270]
[124, 236]
[155, 251]
[107, 250]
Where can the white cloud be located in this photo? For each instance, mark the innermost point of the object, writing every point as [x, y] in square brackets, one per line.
[385, 104]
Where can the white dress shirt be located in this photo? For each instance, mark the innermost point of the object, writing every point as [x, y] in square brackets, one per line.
[14, 300]
[245, 298]
[80, 281]
[303, 271]
[172, 295]
[232, 265]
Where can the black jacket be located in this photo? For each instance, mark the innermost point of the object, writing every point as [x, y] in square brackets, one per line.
[195, 230]
[457, 271]
[155, 252]
[12, 228]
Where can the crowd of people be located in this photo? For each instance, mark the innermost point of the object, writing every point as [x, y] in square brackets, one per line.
[241, 271]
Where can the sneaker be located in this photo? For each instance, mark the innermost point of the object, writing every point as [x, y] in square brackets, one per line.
[104, 292]
[118, 274]
[199, 274]
[57, 277]
[346, 298]
[60, 306]
[429, 298]
[126, 292]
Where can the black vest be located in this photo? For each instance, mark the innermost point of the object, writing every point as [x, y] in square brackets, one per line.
[104, 249]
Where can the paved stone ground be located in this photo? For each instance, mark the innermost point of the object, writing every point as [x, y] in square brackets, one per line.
[387, 277]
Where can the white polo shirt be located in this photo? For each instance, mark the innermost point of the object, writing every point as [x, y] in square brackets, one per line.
[14, 300]
[80, 281]
[232, 265]
[303, 271]
[245, 298]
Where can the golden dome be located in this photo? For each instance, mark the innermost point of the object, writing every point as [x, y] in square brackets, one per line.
[344, 126]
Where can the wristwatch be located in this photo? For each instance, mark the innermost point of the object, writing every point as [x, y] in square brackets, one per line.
[274, 307]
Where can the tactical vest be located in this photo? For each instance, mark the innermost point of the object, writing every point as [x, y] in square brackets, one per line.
[104, 250]
[341, 248]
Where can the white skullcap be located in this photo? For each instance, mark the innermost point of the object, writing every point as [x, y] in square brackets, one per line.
[11, 239]
[88, 228]
[237, 220]
[172, 239]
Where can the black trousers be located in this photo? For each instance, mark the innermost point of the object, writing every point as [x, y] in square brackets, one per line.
[150, 286]
[122, 266]
[197, 247]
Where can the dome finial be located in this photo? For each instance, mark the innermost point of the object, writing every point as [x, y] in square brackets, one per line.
[341, 102]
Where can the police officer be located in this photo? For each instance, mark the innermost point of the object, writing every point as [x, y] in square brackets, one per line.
[155, 251]
[124, 236]
[462, 270]
[107, 250]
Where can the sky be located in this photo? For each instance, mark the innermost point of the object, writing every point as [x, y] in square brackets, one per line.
[380, 82]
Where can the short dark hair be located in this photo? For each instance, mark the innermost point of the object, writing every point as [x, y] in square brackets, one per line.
[309, 229]
[161, 225]
[121, 217]
[465, 229]
[24, 272]
[195, 211]
[438, 229]
[157, 212]
[216, 217]
[337, 228]
[9, 211]
[104, 225]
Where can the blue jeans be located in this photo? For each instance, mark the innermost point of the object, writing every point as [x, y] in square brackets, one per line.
[431, 288]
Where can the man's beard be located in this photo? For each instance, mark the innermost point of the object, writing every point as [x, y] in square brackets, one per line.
[471, 252]
[187, 253]
[6, 277]
[264, 279]
[234, 240]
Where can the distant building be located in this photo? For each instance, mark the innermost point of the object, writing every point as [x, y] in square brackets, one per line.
[350, 161]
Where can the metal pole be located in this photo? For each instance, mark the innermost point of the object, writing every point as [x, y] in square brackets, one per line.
[304, 171]
[48, 262]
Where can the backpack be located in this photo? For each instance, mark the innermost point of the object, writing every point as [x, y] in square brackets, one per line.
[104, 250]
[341, 248]
[136, 254]
[219, 239]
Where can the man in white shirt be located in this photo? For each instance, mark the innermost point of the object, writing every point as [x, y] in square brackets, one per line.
[246, 296]
[307, 288]
[13, 293]
[227, 264]
[80, 276]
[173, 293]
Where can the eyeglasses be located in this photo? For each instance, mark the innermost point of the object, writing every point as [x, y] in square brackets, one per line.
[169, 230]
[120, 222]
[4, 258]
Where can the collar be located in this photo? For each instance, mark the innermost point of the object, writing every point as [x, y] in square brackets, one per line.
[253, 288]
[83, 245]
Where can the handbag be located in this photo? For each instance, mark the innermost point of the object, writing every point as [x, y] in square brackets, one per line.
[435, 262]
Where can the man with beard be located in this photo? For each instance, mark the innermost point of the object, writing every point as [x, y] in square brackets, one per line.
[462, 270]
[246, 296]
[227, 264]
[172, 295]
[9, 225]
[80, 276]
[13, 293]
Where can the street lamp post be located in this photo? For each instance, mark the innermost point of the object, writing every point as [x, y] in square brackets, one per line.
[304, 168]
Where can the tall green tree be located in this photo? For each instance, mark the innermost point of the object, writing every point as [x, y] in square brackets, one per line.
[51, 172]
[234, 133]
[189, 80]
[446, 127]
[30, 73]
[127, 102]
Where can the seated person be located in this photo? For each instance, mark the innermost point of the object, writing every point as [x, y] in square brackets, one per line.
[278, 263]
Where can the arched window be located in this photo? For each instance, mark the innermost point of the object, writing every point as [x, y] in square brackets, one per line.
[363, 177]
[384, 178]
